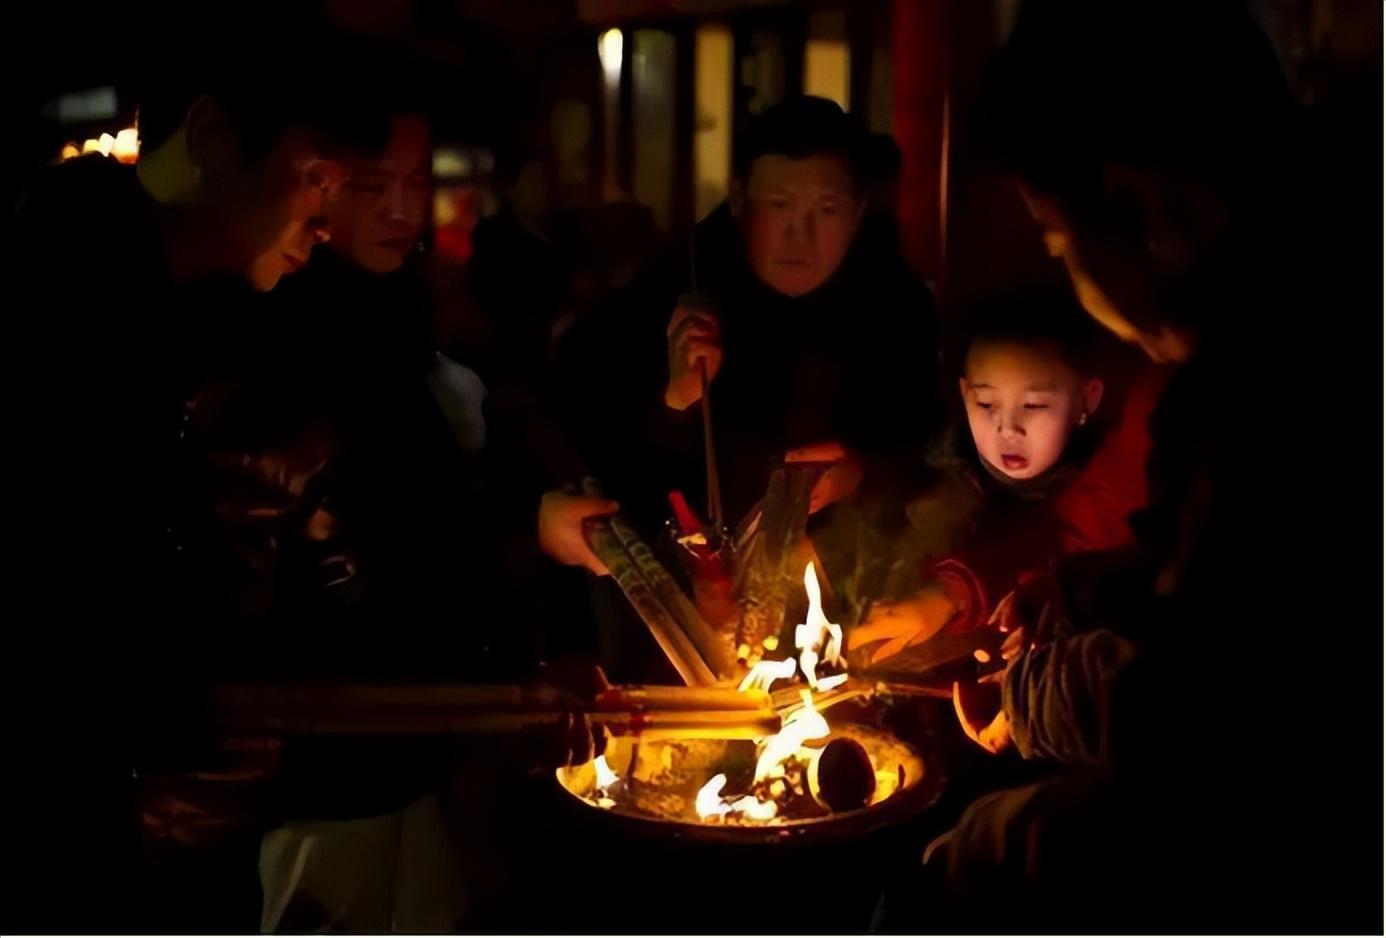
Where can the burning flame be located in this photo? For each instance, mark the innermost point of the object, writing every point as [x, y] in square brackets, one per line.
[817, 640]
[817, 634]
[607, 780]
[764, 673]
[710, 803]
[605, 777]
[814, 636]
[799, 727]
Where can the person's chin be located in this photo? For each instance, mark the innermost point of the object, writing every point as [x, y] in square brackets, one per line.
[794, 281]
[382, 261]
[263, 281]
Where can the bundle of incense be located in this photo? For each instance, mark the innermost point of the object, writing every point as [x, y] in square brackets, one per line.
[699, 654]
[765, 575]
[787, 699]
[648, 712]
[677, 646]
[655, 697]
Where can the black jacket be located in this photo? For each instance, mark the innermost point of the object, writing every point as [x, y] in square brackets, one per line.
[854, 361]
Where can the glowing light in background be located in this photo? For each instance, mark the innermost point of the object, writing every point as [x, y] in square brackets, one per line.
[712, 64]
[127, 145]
[611, 49]
[611, 52]
[827, 57]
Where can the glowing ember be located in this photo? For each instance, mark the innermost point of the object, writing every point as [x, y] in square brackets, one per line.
[755, 809]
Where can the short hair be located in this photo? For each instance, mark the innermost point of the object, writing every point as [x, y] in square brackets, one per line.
[799, 127]
[1030, 320]
[1084, 84]
[268, 82]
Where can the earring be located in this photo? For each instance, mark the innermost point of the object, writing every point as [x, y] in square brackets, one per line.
[1082, 418]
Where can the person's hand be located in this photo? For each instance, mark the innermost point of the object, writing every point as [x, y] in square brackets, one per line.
[573, 739]
[560, 528]
[983, 719]
[1026, 615]
[212, 803]
[576, 741]
[839, 481]
[694, 335]
[903, 624]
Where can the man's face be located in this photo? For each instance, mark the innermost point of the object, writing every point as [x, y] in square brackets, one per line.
[381, 209]
[1023, 404]
[799, 217]
[280, 212]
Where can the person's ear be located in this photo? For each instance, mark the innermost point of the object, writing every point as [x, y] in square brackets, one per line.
[1092, 395]
[212, 143]
[736, 197]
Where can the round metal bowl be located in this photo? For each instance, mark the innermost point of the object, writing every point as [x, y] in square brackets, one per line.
[659, 799]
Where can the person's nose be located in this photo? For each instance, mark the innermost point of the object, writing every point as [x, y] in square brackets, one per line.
[1009, 426]
[392, 208]
[796, 229]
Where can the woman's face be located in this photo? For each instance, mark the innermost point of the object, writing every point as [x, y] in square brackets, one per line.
[380, 212]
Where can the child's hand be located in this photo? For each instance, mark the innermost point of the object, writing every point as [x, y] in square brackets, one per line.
[982, 717]
[1027, 614]
[903, 624]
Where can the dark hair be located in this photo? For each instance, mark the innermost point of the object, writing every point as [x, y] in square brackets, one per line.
[802, 126]
[268, 81]
[1084, 84]
[1031, 319]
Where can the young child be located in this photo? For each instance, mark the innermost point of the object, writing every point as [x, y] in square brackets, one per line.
[1034, 476]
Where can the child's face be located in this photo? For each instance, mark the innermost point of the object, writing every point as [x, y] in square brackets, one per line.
[1023, 404]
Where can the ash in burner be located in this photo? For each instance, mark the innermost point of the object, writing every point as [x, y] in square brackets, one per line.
[662, 780]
